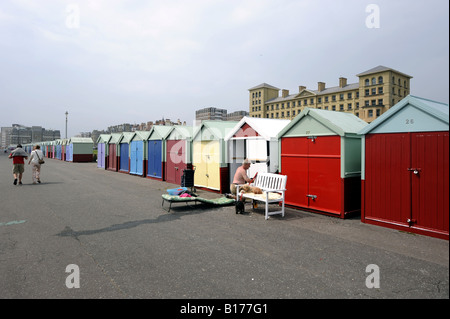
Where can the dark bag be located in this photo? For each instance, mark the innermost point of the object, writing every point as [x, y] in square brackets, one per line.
[239, 206]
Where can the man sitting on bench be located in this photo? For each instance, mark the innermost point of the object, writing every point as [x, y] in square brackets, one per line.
[240, 177]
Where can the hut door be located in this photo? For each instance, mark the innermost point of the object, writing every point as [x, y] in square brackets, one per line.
[387, 180]
[124, 157]
[176, 160]
[101, 155]
[112, 163]
[154, 158]
[429, 181]
[136, 157]
[207, 164]
[133, 155]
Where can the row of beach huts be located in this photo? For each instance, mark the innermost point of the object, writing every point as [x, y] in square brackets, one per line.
[393, 171]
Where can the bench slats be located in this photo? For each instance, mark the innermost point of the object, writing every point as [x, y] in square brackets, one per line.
[269, 182]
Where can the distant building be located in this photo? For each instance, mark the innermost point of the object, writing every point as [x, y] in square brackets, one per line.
[20, 134]
[210, 113]
[236, 116]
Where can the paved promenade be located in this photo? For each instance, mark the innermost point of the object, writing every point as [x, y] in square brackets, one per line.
[109, 229]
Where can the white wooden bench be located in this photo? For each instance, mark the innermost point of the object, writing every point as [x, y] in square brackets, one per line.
[273, 187]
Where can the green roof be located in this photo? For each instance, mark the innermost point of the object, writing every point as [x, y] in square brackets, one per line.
[84, 140]
[340, 123]
[126, 137]
[160, 131]
[434, 115]
[218, 129]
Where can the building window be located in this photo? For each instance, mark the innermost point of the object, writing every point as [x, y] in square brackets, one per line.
[374, 91]
[288, 114]
[341, 107]
[259, 94]
[319, 100]
[374, 81]
[378, 112]
[380, 102]
[349, 96]
[282, 106]
[305, 102]
[357, 95]
[374, 102]
[357, 114]
[357, 105]
[311, 101]
[293, 113]
[380, 80]
[380, 90]
[326, 98]
[366, 82]
[341, 96]
[333, 108]
[370, 113]
[349, 106]
[333, 98]
[367, 92]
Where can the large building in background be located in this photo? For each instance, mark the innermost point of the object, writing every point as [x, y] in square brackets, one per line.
[20, 134]
[377, 90]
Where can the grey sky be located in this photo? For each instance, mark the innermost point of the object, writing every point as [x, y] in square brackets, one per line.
[109, 62]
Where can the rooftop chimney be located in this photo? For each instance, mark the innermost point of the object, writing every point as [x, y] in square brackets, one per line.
[321, 86]
[301, 88]
[284, 93]
[342, 82]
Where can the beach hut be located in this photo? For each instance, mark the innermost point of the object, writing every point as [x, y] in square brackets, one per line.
[210, 155]
[58, 149]
[102, 141]
[80, 149]
[68, 151]
[405, 175]
[321, 155]
[112, 154]
[178, 153]
[138, 150]
[255, 139]
[156, 150]
[64, 144]
[124, 151]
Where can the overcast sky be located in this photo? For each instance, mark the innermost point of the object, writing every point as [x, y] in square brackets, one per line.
[109, 62]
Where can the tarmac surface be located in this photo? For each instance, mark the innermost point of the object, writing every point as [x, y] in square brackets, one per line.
[112, 227]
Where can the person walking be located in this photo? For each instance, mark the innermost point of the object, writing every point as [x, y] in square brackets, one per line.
[18, 156]
[35, 157]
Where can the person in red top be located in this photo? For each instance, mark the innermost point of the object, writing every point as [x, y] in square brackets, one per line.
[18, 156]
